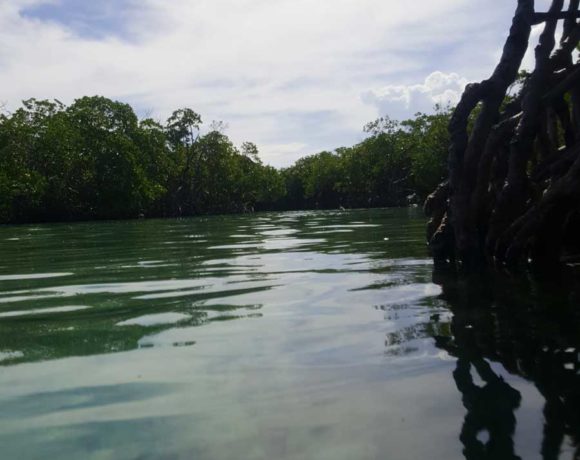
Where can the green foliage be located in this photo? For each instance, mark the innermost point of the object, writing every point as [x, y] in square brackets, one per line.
[96, 160]
[182, 126]
[398, 162]
[427, 143]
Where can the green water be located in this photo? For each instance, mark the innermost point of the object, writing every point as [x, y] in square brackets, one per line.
[312, 335]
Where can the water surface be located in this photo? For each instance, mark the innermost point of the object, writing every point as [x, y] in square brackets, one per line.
[310, 335]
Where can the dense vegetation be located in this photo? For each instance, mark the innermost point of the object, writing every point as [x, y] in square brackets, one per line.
[95, 159]
[395, 164]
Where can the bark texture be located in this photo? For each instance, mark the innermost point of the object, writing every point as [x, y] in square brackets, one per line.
[513, 192]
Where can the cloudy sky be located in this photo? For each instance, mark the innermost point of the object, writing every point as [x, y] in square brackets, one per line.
[293, 76]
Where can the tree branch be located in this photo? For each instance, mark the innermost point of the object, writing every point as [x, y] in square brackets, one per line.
[538, 18]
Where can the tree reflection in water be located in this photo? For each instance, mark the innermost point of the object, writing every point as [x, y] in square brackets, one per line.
[490, 407]
[532, 331]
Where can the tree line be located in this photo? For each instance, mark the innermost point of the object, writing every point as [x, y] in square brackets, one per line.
[95, 159]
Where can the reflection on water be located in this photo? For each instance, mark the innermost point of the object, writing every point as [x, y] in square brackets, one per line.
[490, 408]
[154, 275]
[308, 335]
[532, 331]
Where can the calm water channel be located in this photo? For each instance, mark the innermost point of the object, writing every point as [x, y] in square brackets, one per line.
[310, 335]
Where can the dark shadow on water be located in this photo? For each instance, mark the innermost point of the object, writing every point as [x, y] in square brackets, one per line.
[490, 406]
[533, 331]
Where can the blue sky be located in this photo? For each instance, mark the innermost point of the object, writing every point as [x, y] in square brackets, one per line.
[294, 76]
[87, 19]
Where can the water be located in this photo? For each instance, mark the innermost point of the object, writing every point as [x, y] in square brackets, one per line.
[314, 335]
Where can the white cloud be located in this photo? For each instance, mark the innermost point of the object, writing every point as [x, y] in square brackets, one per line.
[285, 154]
[280, 72]
[400, 100]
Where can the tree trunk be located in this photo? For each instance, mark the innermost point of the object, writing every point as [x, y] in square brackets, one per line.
[515, 177]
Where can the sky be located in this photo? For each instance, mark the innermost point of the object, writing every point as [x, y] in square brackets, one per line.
[293, 76]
